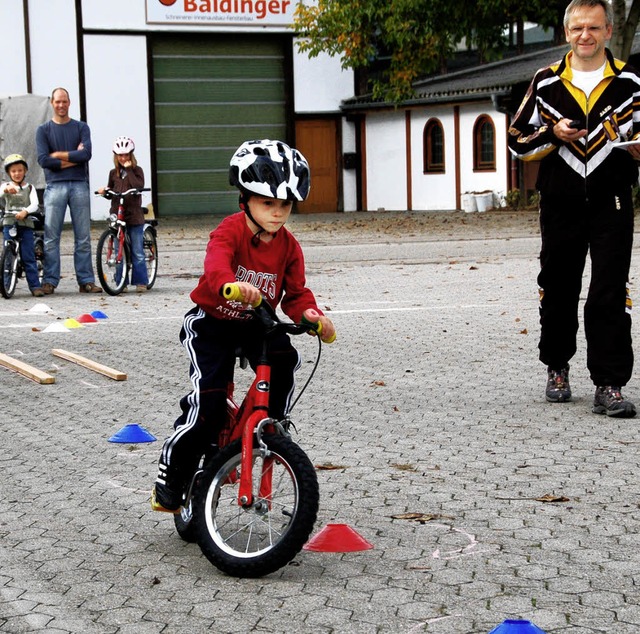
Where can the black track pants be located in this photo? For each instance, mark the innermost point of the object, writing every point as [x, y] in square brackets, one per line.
[571, 227]
[211, 345]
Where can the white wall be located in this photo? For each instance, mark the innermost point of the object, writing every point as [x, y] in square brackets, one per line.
[114, 14]
[117, 105]
[480, 181]
[320, 83]
[433, 192]
[54, 57]
[131, 15]
[386, 161]
[14, 76]
[349, 181]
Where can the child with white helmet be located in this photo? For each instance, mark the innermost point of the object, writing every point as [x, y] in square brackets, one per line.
[127, 174]
[253, 249]
[21, 198]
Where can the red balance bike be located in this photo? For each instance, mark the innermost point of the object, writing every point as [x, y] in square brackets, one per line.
[253, 502]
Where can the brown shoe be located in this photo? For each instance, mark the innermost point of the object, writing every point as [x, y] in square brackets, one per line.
[37, 292]
[141, 288]
[90, 287]
[48, 289]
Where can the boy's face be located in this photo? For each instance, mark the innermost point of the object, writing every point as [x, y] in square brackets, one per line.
[269, 213]
[17, 172]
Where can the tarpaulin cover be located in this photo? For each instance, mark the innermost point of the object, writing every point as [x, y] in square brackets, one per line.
[19, 119]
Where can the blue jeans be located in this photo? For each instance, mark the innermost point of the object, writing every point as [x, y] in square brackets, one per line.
[139, 275]
[57, 196]
[27, 253]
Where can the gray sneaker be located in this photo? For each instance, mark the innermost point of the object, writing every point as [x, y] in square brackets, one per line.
[609, 400]
[558, 389]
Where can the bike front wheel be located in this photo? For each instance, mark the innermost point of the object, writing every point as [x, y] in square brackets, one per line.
[259, 539]
[9, 265]
[112, 266]
[150, 255]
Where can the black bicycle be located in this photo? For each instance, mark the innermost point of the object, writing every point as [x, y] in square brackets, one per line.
[113, 253]
[11, 265]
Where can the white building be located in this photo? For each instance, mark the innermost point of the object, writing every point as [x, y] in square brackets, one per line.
[189, 81]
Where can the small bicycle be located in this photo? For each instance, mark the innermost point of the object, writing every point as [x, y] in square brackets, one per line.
[113, 253]
[11, 265]
[252, 504]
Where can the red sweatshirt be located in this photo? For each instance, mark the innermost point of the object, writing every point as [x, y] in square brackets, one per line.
[275, 267]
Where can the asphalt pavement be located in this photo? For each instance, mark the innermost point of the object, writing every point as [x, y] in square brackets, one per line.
[426, 421]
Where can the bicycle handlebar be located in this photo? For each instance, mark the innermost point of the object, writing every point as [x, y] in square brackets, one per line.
[110, 193]
[267, 314]
[232, 292]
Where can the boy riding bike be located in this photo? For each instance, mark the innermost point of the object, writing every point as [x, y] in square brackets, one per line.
[253, 249]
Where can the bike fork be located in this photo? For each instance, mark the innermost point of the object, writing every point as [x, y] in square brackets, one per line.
[255, 422]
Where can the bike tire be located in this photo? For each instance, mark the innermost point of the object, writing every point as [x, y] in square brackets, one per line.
[259, 540]
[39, 251]
[185, 526]
[9, 262]
[150, 244]
[111, 274]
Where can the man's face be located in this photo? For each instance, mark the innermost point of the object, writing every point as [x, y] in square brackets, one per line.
[60, 103]
[587, 33]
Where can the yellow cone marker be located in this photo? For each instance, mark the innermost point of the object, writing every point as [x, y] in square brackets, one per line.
[72, 323]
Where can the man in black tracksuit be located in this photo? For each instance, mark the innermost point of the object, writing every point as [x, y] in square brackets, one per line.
[574, 115]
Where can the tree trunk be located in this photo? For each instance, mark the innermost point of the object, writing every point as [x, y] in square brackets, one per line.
[619, 21]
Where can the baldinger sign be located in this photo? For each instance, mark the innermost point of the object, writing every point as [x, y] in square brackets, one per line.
[203, 12]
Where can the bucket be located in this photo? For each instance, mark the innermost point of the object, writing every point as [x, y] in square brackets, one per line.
[468, 202]
[484, 201]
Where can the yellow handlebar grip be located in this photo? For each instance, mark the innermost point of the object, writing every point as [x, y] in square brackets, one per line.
[331, 339]
[317, 326]
[232, 292]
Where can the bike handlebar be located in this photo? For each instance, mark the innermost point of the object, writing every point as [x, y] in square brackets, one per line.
[267, 315]
[109, 193]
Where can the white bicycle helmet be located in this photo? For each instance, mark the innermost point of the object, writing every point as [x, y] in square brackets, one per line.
[13, 159]
[123, 145]
[270, 168]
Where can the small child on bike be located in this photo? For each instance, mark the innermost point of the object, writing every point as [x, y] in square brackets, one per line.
[21, 198]
[253, 249]
[127, 174]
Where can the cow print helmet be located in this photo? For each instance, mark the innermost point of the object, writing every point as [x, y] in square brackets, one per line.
[270, 168]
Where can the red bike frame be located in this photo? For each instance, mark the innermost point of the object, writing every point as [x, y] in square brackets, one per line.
[243, 421]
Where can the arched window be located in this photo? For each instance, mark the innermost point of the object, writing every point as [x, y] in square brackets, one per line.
[433, 147]
[484, 145]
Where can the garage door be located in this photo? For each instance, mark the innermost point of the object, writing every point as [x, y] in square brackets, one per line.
[211, 93]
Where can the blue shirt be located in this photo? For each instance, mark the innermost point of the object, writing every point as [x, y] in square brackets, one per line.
[64, 137]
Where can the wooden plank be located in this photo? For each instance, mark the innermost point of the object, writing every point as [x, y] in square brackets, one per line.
[26, 370]
[91, 365]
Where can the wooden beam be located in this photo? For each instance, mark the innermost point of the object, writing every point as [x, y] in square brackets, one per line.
[88, 363]
[26, 370]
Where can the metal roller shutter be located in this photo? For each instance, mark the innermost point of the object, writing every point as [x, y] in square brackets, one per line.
[211, 93]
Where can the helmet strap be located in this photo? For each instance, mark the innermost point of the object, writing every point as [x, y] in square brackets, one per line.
[244, 206]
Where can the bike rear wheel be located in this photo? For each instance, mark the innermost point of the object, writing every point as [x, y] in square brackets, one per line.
[38, 247]
[113, 271]
[262, 538]
[9, 265]
[150, 255]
